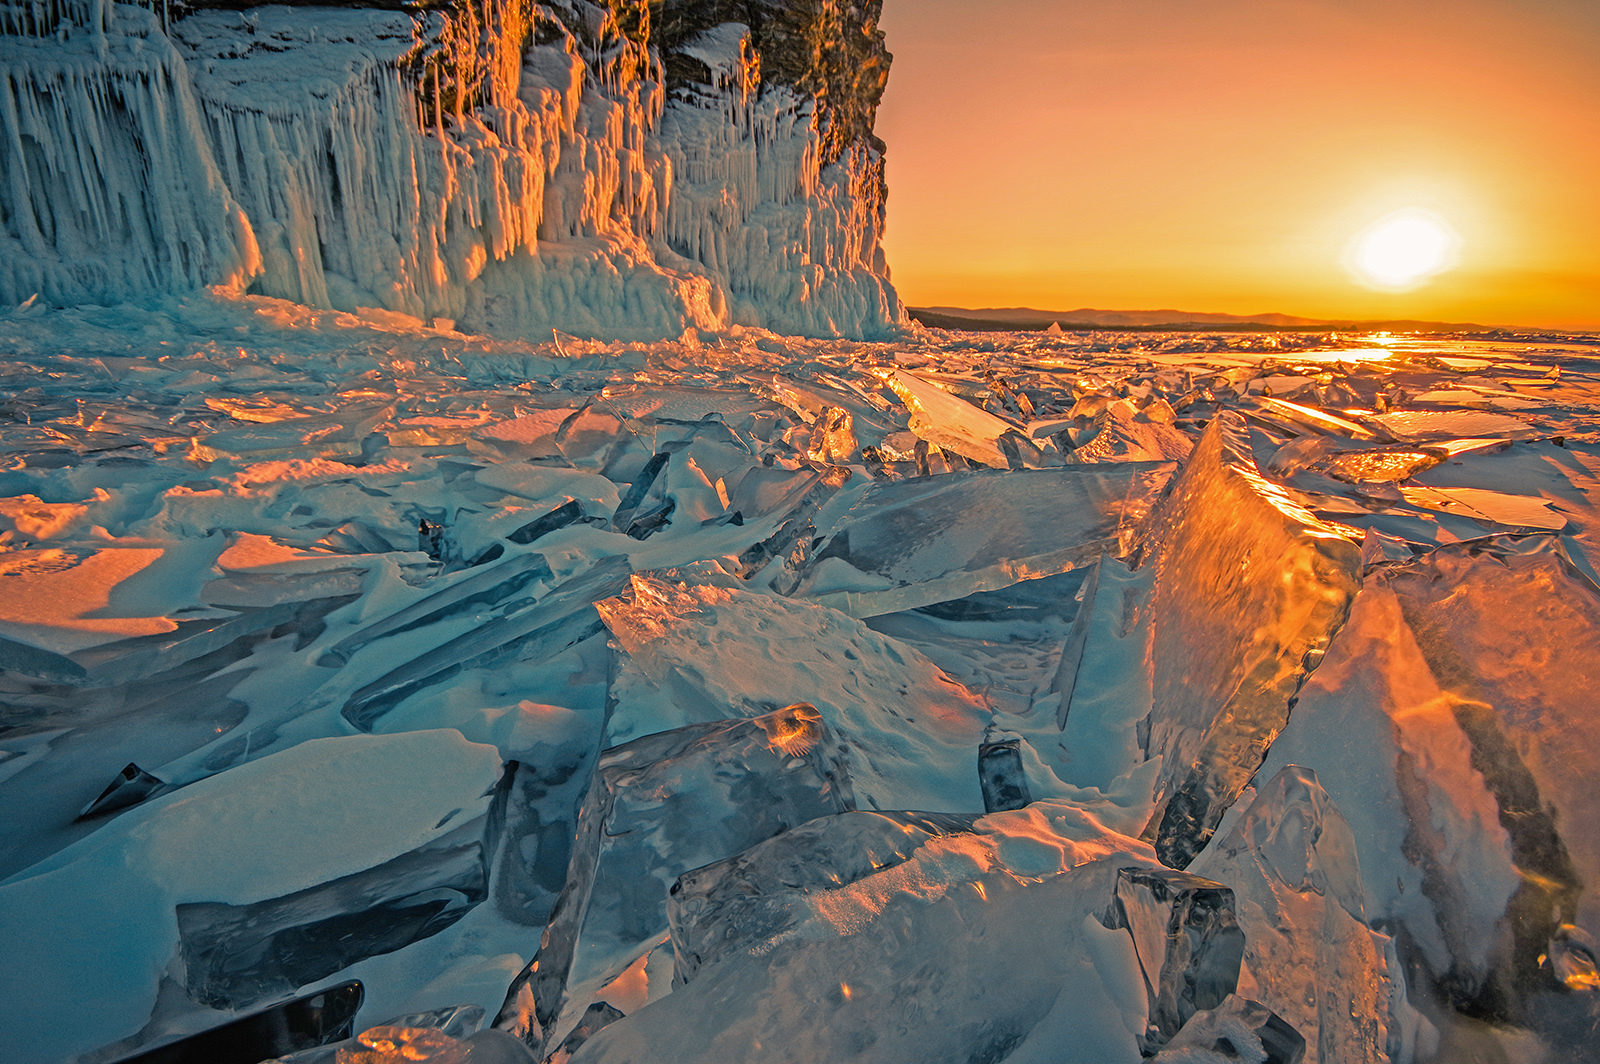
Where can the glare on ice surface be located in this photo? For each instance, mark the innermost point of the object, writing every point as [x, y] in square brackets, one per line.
[62, 599]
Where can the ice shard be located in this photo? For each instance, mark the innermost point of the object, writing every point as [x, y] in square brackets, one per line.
[323, 435]
[909, 730]
[974, 940]
[1571, 957]
[1380, 733]
[132, 786]
[296, 827]
[910, 543]
[737, 905]
[564, 616]
[1458, 764]
[795, 499]
[1103, 680]
[1121, 433]
[541, 821]
[425, 1035]
[657, 807]
[59, 623]
[316, 1019]
[1482, 618]
[1002, 776]
[412, 1039]
[1187, 938]
[1249, 590]
[244, 588]
[560, 517]
[486, 587]
[950, 422]
[1290, 860]
[235, 956]
[1238, 1029]
[594, 1018]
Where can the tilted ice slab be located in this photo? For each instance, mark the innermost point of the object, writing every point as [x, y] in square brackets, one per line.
[949, 421]
[1375, 726]
[984, 944]
[1248, 591]
[656, 807]
[324, 809]
[1511, 640]
[534, 631]
[1462, 767]
[912, 733]
[910, 543]
[1291, 862]
[92, 617]
[732, 906]
[1426, 425]
[1102, 687]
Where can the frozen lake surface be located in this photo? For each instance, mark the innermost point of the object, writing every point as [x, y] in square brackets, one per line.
[991, 696]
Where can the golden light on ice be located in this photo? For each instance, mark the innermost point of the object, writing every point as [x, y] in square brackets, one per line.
[1403, 250]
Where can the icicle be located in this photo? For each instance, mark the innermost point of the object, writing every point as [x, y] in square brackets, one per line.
[109, 188]
[554, 200]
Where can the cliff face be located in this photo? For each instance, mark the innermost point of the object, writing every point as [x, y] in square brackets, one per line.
[625, 169]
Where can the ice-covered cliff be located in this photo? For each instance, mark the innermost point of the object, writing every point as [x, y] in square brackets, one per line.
[626, 169]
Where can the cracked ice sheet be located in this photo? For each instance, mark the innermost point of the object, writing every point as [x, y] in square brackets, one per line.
[982, 946]
[1382, 736]
[163, 374]
[319, 811]
[914, 732]
[948, 421]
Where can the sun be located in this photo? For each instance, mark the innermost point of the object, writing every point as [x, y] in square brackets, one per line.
[1403, 250]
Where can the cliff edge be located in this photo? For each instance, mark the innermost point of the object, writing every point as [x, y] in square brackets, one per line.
[625, 169]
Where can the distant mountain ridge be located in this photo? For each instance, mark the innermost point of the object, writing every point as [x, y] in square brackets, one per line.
[993, 319]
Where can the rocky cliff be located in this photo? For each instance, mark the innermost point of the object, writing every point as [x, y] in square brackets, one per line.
[626, 169]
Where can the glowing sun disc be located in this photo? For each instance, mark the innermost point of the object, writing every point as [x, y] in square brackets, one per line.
[1403, 250]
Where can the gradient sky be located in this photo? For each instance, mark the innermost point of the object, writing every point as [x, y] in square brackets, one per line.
[1220, 156]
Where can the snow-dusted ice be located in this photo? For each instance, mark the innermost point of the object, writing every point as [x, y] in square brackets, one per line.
[610, 689]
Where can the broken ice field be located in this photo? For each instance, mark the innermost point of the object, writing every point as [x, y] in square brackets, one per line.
[420, 696]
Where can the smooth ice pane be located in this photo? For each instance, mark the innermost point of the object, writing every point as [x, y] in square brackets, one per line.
[1291, 863]
[1249, 589]
[657, 807]
[909, 730]
[958, 948]
[910, 543]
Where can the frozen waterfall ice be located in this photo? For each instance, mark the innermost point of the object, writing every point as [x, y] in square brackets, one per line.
[517, 168]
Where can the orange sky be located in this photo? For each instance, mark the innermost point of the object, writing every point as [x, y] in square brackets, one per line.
[1219, 156]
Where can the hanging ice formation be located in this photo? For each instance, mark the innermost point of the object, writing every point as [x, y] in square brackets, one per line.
[512, 166]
